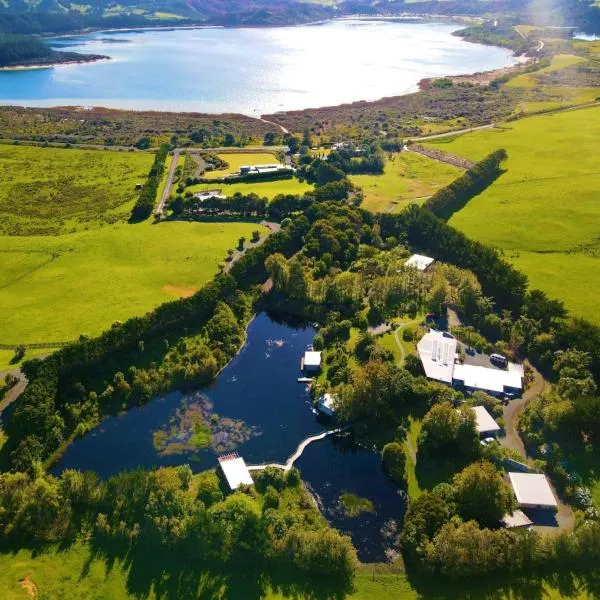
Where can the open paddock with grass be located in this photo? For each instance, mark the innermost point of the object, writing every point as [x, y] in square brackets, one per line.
[408, 177]
[52, 190]
[58, 287]
[236, 160]
[544, 211]
[79, 572]
[267, 189]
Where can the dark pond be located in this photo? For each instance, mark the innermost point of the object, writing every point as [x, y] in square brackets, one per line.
[256, 407]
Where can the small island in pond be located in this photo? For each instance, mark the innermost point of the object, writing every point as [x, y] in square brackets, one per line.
[29, 51]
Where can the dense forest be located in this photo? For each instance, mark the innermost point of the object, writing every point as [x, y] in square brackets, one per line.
[22, 50]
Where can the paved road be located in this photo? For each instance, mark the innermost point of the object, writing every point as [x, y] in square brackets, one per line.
[169, 184]
[14, 391]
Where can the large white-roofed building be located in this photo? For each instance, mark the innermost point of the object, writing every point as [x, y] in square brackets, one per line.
[235, 471]
[437, 351]
[420, 262]
[532, 490]
[495, 382]
[486, 426]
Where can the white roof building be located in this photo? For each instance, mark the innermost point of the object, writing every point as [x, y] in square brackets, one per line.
[209, 194]
[235, 470]
[437, 351]
[312, 360]
[492, 381]
[326, 404]
[532, 490]
[420, 262]
[485, 421]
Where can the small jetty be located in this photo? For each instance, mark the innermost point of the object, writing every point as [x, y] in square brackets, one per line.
[305, 379]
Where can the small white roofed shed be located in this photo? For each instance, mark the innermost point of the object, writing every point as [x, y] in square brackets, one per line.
[532, 490]
[437, 351]
[485, 422]
[326, 404]
[312, 360]
[235, 470]
[420, 262]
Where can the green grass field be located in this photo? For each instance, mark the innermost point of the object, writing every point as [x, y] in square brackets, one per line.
[95, 268]
[544, 211]
[52, 190]
[408, 177]
[267, 189]
[243, 158]
[57, 287]
[74, 572]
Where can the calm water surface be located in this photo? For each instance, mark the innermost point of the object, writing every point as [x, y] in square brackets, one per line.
[259, 391]
[252, 71]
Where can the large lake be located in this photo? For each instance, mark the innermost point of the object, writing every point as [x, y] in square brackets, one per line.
[252, 71]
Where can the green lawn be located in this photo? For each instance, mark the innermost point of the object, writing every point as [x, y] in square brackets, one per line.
[53, 190]
[57, 287]
[64, 574]
[243, 158]
[408, 177]
[267, 189]
[544, 211]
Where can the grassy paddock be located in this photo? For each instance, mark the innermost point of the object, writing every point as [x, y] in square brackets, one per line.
[544, 211]
[408, 177]
[75, 572]
[52, 190]
[59, 287]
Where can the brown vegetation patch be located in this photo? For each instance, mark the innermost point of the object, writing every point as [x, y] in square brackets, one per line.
[29, 587]
[179, 291]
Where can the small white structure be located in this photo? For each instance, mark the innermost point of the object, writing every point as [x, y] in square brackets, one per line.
[311, 360]
[486, 426]
[420, 262]
[326, 405]
[259, 169]
[495, 382]
[235, 471]
[516, 520]
[209, 194]
[437, 351]
[532, 490]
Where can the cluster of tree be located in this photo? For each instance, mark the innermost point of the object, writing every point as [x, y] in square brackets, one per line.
[170, 512]
[425, 232]
[447, 430]
[145, 203]
[320, 172]
[445, 202]
[368, 158]
[243, 205]
[29, 50]
[453, 530]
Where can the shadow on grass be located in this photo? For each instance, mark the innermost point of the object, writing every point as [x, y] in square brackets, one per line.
[500, 586]
[171, 576]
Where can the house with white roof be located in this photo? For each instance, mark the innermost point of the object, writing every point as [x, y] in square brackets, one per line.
[326, 404]
[235, 470]
[437, 351]
[533, 490]
[485, 423]
[311, 361]
[420, 262]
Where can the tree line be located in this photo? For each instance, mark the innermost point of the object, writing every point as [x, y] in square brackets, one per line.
[145, 203]
[454, 197]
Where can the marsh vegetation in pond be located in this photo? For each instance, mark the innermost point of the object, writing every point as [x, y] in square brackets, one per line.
[252, 71]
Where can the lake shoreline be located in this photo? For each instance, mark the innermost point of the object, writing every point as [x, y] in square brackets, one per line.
[52, 65]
